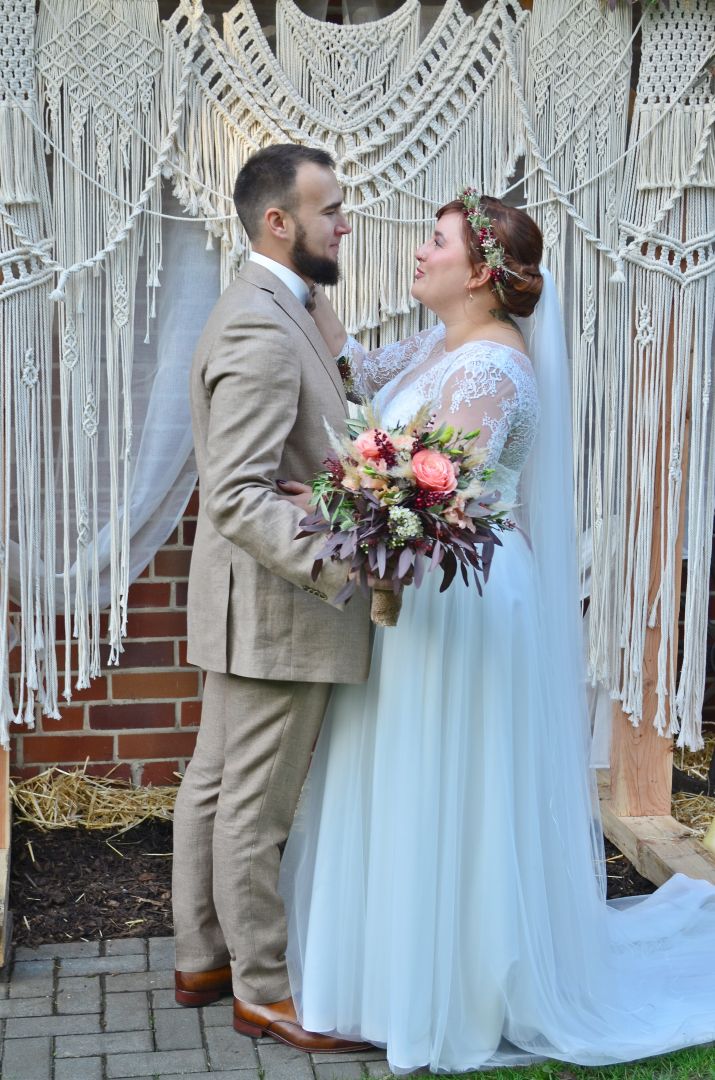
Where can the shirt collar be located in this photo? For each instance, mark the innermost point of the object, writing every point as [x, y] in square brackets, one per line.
[289, 277]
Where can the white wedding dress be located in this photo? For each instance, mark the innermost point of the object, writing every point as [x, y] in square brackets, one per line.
[443, 879]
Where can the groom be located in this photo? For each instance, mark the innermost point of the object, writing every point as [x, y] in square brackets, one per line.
[269, 638]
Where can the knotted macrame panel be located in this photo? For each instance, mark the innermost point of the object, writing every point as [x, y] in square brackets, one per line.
[667, 222]
[448, 116]
[27, 507]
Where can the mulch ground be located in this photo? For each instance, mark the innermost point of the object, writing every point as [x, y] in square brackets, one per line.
[73, 884]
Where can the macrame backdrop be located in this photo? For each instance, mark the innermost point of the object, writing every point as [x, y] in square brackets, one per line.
[412, 106]
[27, 542]
[400, 136]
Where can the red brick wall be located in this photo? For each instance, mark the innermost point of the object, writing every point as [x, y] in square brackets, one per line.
[141, 717]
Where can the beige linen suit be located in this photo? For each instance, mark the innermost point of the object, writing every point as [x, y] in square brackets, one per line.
[270, 639]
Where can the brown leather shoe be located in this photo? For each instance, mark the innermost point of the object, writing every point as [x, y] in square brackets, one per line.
[280, 1022]
[195, 988]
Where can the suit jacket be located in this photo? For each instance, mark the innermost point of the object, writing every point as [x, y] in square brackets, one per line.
[262, 380]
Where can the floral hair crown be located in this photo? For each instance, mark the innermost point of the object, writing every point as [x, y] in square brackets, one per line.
[490, 247]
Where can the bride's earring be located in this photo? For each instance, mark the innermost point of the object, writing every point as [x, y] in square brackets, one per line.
[469, 294]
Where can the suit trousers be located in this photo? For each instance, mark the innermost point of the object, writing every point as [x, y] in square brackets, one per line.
[233, 813]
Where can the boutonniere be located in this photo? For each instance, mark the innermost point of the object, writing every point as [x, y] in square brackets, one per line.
[346, 374]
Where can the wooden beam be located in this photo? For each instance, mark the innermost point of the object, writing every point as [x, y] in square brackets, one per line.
[658, 846]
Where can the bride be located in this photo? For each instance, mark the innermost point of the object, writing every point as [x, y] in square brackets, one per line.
[443, 879]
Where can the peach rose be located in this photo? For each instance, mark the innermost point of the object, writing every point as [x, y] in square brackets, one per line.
[434, 471]
[365, 444]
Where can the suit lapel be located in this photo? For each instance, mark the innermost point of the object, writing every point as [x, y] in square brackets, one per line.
[295, 311]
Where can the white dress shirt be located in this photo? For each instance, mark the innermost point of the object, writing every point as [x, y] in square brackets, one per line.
[290, 279]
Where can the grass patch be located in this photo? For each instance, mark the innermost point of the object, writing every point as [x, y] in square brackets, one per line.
[695, 1063]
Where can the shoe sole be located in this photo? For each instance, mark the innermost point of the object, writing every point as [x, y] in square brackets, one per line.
[194, 999]
[253, 1031]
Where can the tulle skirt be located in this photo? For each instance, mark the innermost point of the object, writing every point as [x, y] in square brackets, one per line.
[442, 879]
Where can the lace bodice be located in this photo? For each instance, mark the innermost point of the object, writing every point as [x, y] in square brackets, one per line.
[482, 384]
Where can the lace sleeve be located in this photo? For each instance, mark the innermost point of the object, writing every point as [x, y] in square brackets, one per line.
[371, 370]
[480, 396]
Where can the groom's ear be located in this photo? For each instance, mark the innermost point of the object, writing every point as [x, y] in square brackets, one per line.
[276, 223]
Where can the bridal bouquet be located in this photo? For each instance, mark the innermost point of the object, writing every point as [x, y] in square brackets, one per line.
[398, 502]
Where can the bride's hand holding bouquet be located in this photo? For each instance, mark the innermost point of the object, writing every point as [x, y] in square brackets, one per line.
[395, 503]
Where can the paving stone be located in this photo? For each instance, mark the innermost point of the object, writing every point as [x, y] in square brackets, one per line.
[140, 980]
[33, 978]
[378, 1070]
[177, 1030]
[29, 1026]
[125, 947]
[164, 999]
[283, 1063]
[78, 994]
[162, 956]
[362, 1055]
[102, 965]
[26, 1059]
[126, 1011]
[338, 1070]
[218, 1015]
[88, 1068]
[166, 1061]
[108, 1042]
[233, 1074]
[26, 1007]
[58, 949]
[229, 1050]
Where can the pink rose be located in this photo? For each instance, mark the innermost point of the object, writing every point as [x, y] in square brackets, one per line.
[365, 444]
[434, 471]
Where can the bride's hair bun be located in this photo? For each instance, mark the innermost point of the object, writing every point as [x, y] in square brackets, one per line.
[523, 245]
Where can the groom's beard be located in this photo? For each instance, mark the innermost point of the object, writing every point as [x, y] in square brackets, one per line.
[318, 268]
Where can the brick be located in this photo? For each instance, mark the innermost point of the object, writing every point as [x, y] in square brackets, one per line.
[162, 955]
[106, 1042]
[67, 749]
[172, 564]
[125, 947]
[127, 1012]
[220, 1014]
[26, 1059]
[25, 1007]
[96, 691]
[149, 594]
[228, 1050]
[137, 715]
[192, 506]
[161, 684]
[159, 774]
[80, 994]
[57, 949]
[72, 1024]
[233, 1074]
[188, 532]
[338, 1070]
[283, 1063]
[88, 1068]
[177, 1030]
[156, 624]
[114, 770]
[190, 713]
[31, 979]
[159, 744]
[71, 719]
[181, 594]
[166, 1061]
[140, 654]
[173, 539]
[141, 980]
[182, 647]
[101, 965]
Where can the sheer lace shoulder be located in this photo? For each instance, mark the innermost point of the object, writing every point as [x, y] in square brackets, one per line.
[372, 370]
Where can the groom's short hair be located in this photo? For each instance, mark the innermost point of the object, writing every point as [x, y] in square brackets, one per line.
[268, 179]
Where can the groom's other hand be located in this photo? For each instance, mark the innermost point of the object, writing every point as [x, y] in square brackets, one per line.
[298, 494]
